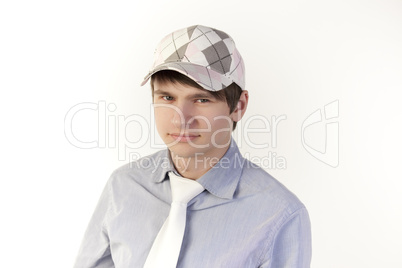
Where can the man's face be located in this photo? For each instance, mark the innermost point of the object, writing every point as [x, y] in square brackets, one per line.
[191, 121]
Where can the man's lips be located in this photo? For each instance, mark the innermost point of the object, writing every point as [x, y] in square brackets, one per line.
[183, 137]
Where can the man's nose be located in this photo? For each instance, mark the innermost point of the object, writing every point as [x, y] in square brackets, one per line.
[183, 115]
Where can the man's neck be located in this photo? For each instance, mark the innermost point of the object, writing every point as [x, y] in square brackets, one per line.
[195, 166]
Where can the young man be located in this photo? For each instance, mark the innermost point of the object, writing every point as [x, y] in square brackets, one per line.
[233, 213]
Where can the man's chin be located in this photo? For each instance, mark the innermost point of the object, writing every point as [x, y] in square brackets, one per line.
[185, 151]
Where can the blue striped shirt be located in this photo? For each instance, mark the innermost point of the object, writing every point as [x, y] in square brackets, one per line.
[243, 218]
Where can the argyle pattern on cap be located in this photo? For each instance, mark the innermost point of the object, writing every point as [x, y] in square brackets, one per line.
[206, 55]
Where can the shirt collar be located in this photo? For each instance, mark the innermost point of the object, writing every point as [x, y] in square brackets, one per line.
[221, 180]
[166, 165]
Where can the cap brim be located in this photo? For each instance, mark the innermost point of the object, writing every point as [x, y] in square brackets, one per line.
[205, 77]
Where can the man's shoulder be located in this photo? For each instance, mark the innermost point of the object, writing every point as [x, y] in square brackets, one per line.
[256, 180]
[146, 167]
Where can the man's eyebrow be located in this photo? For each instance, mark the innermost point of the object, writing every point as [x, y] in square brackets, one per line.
[205, 95]
[201, 96]
[162, 92]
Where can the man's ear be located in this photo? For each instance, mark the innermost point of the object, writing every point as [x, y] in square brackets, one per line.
[241, 107]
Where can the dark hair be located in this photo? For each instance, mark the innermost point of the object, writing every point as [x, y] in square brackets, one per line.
[230, 94]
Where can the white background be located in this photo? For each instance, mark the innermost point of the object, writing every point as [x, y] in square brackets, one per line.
[299, 55]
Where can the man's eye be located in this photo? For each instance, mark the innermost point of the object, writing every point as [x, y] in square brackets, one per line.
[168, 98]
[202, 100]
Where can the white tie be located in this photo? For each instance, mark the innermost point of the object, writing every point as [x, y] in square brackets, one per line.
[166, 247]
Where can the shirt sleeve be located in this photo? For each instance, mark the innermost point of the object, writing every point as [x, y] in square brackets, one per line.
[95, 248]
[292, 244]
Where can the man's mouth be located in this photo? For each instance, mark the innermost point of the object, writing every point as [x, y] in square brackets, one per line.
[184, 137]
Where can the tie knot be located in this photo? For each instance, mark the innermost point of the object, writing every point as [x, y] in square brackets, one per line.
[183, 190]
